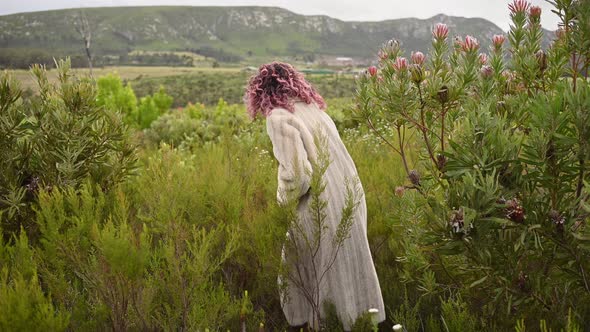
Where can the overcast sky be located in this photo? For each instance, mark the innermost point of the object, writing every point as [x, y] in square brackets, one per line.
[366, 10]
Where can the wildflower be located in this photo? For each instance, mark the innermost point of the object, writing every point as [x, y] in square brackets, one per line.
[535, 12]
[498, 41]
[486, 71]
[441, 161]
[519, 6]
[418, 58]
[400, 64]
[397, 327]
[416, 73]
[483, 58]
[382, 55]
[373, 70]
[541, 60]
[471, 44]
[557, 219]
[400, 191]
[440, 31]
[414, 177]
[443, 94]
[457, 221]
[514, 210]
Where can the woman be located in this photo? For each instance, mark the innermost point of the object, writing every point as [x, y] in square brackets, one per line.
[300, 130]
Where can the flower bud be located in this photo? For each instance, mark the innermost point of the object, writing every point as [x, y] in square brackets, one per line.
[483, 58]
[418, 58]
[443, 94]
[414, 177]
[498, 41]
[416, 73]
[519, 6]
[541, 60]
[400, 64]
[486, 71]
[440, 31]
[535, 12]
[471, 44]
[372, 70]
[400, 191]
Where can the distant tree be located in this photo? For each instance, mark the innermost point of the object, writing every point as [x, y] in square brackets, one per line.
[83, 27]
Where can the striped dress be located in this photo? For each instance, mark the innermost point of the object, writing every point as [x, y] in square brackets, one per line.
[349, 281]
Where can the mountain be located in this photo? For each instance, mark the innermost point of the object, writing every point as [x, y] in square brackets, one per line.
[237, 32]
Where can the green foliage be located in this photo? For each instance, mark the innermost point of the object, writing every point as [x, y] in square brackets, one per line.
[58, 140]
[114, 96]
[503, 156]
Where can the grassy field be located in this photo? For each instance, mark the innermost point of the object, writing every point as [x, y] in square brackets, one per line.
[125, 72]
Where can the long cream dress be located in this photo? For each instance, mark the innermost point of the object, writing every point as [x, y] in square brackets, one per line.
[350, 282]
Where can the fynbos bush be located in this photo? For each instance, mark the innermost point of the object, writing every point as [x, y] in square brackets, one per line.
[503, 163]
[58, 140]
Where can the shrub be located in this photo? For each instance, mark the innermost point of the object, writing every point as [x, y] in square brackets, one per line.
[503, 152]
[59, 140]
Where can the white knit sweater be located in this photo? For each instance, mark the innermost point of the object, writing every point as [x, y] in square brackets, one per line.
[351, 283]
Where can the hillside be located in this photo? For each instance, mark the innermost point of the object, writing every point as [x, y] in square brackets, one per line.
[226, 33]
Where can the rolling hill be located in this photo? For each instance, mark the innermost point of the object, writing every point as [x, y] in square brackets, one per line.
[227, 33]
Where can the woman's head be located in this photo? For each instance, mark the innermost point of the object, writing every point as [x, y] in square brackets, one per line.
[277, 84]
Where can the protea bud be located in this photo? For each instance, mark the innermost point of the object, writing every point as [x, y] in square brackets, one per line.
[418, 58]
[498, 41]
[557, 219]
[535, 12]
[440, 31]
[443, 94]
[457, 221]
[514, 210]
[518, 6]
[382, 55]
[400, 64]
[483, 58]
[522, 281]
[441, 161]
[372, 70]
[414, 177]
[400, 191]
[32, 184]
[486, 71]
[416, 73]
[541, 60]
[471, 44]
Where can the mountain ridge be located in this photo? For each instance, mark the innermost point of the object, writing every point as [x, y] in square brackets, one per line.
[242, 31]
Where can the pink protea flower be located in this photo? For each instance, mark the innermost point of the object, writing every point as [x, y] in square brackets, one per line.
[483, 58]
[519, 6]
[486, 71]
[382, 55]
[498, 40]
[400, 64]
[440, 31]
[373, 70]
[535, 11]
[418, 58]
[471, 44]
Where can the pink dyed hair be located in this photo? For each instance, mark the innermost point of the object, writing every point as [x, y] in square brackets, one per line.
[277, 84]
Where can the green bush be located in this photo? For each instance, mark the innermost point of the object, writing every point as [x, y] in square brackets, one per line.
[498, 173]
[58, 140]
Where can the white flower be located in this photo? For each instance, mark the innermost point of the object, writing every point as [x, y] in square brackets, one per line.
[373, 311]
[397, 327]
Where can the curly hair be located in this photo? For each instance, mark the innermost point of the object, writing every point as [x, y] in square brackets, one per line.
[278, 84]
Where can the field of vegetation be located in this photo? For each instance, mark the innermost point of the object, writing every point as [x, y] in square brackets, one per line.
[149, 203]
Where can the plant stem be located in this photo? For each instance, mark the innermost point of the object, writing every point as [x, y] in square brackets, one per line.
[580, 177]
[423, 127]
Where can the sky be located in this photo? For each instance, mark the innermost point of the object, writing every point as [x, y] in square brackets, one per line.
[366, 10]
